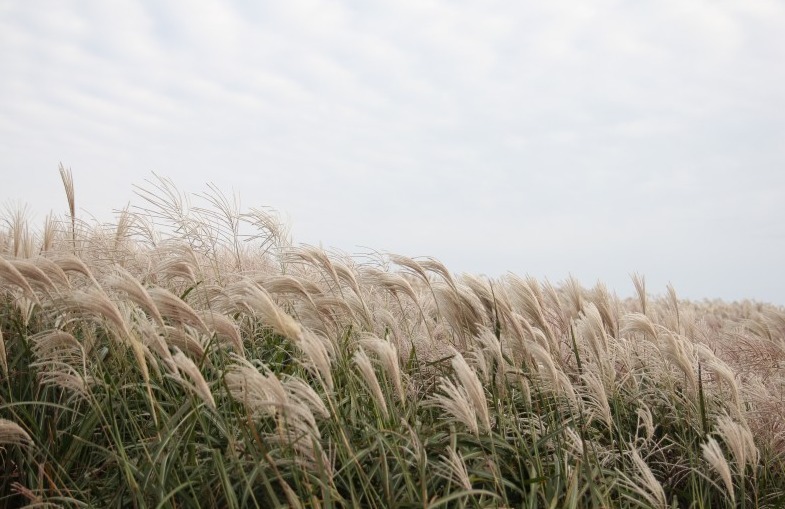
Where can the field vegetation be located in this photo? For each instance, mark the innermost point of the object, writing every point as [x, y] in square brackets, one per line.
[189, 355]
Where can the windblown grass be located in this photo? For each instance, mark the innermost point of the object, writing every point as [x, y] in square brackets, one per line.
[191, 356]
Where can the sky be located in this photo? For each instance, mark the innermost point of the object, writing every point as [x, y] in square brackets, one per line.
[593, 139]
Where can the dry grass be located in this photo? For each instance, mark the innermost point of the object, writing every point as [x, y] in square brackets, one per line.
[203, 360]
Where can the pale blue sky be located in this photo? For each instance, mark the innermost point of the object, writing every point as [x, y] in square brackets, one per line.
[548, 138]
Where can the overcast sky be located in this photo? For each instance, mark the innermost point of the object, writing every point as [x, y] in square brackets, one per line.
[545, 138]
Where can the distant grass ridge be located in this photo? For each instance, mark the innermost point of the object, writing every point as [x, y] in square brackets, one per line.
[191, 356]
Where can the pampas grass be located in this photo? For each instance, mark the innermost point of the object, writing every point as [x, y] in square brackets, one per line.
[190, 355]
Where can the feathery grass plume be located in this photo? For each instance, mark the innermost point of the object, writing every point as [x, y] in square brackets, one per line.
[642, 482]
[185, 339]
[544, 362]
[640, 289]
[740, 441]
[574, 292]
[712, 453]
[597, 397]
[266, 395]
[52, 271]
[20, 231]
[437, 267]
[58, 346]
[198, 384]
[95, 302]
[673, 302]
[455, 400]
[225, 217]
[70, 263]
[68, 183]
[274, 233]
[608, 306]
[346, 275]
[412, 265]
[122, 228]
[289, 285]
[486, 295]
[388, 357]
[34, 275]
[393, 283]
[173, 268]
[646, 420]
[259, 393]
[491, 347]
[48, 234]
[456, 466]
[330, 308]
[65, 376]
[319, 352]
[13, 434]
[722, 371]
[122, 280]
[174, 308]
[318, 259]
[254, 298]
[363, 364]
[11, 274]
[461, 308]
[674, 349]
[3, 356]
[225, 329]
[152, 339]
[417, 269]
[530, 299]
[301, 392]
[473, 387]
[637, 322]
[592, 330]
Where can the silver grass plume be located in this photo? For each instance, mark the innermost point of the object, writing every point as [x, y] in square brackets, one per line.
[61, 362]
[455, 400]
[34, 274]
[225, 330]
[712, 453]
[740, 441]
[52, 271]
[646, 420]
[643, 482]
[289, 402]
[174, 308]
[70, 263]
[3, 356]
[198, 384]
[319, 353]
[674, 348]
[363, 364]
[186, 339]
[456, 466]
[474, 388]
[13, 276]
[13, 434]
[251, 297]
[722, 371]
[597, 396]
[388, 358]
[124, 281]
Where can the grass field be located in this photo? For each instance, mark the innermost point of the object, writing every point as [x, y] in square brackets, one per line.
[189, 355]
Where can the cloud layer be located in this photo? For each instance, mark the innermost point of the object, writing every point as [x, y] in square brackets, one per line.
[548, 139]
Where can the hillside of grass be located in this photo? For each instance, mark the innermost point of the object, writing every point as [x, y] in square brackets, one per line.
[189, 355]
